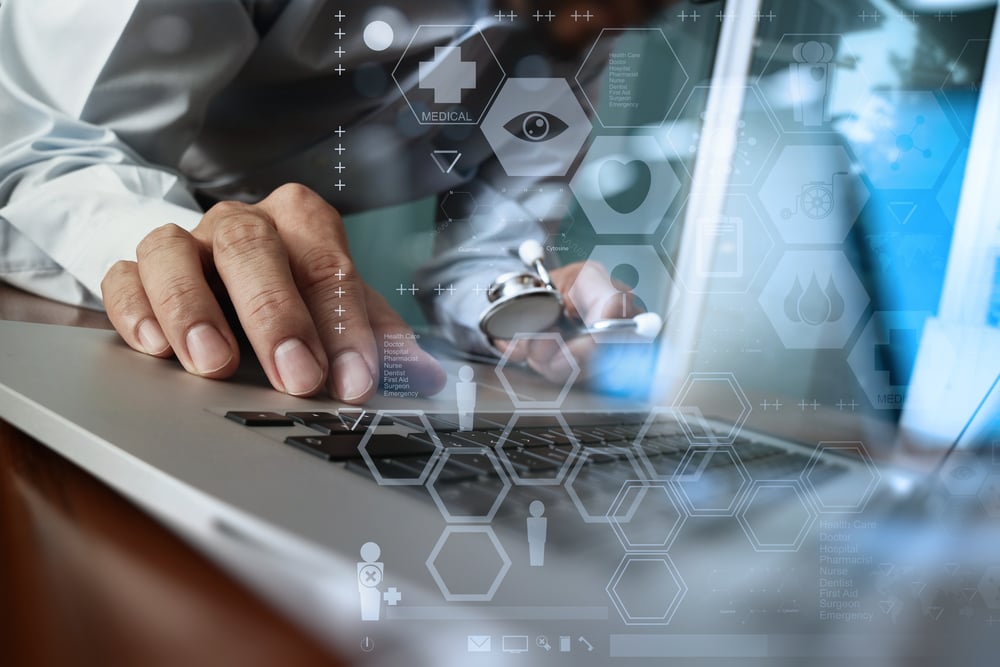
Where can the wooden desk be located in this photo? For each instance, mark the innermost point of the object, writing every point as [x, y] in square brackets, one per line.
[88, 578]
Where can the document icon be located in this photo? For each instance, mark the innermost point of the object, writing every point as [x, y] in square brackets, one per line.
[480, 644]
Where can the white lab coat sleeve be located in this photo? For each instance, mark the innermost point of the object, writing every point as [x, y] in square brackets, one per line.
[97, 105]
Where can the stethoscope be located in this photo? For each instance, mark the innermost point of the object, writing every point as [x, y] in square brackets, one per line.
[523, 302]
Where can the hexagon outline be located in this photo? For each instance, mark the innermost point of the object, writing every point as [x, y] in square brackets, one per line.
[455, 193]
[959, 459]
[764, 226]
[578, 466]
[728, 178]
[370, 462]
[596, 107]
[990, 508]
[737, 423]
[559, 150]
[650, 213]
[679, 480]
[468, 518]
[643, 430]
[620, 605]
[616, 524]
[537, 481]
[862, 454]
[468, 597]
[402, 58]
[520, 403]
[755, 541]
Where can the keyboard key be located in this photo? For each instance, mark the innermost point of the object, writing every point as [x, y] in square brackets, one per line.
[307, 417]
[328, 447]
[259, 418]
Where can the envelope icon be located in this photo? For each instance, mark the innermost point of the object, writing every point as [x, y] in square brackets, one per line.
[480, 644]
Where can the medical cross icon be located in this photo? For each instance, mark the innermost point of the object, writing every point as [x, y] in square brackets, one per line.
[447, 75]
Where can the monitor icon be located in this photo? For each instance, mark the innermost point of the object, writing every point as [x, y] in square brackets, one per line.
[514, 644]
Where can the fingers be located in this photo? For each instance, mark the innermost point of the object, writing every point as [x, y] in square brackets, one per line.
[130, 312]
[592, 295]
[332, 290]
[251, 260]
[422, 371]
[170, 268]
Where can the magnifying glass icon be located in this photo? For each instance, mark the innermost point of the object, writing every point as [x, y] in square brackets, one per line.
[543, 641]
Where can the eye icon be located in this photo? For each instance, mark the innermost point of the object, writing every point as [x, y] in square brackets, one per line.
[535, 126]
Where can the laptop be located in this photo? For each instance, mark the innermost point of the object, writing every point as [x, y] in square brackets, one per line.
[729, 505]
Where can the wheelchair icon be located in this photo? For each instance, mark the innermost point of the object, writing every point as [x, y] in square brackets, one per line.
[816, 199]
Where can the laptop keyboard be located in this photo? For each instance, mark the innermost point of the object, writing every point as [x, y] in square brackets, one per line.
[535, 447]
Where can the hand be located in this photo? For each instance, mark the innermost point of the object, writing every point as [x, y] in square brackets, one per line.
[285, 266]
[595, 296]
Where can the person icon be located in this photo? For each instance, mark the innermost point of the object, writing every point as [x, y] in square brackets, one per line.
[537, 529]
[370, 575]
[811, 81]
[625, 278]
[465, 390]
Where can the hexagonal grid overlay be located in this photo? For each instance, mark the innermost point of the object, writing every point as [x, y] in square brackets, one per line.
[963, 474]
[536, 127]
[645, 516]
[904, 139]
[807, 91]
[554, 477]
[647, 589]
[372, 464]
[625, 185]
[637, 267]
[962, 76]
[708, 486]
[871, 359]
[624, 105]
[596, 498]
[456, 83]
[730, 250]
[662, 426]
[813, 194]
[464, 560]
[501, 486]
[523, 400]
[814, 299]
[989, 495]
[756, 136]
[844, 493]
[721, 394]
[776, 516]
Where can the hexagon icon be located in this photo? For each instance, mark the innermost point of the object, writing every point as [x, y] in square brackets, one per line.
[645, 516]
[468, 563]
[411, 417]
[730, 250]
[454, 500]
[812, 89]
[813, 194]
[631, 102]
[886, 335]
[660, 434]
[534, 395]
[638, 268]
[647, 589]
[625, 185]
[458, 206]
[776, 516]
[548, 465]
[715, 393]
[903, 139]
[989, 587]
[814, 299]
[963, 474]
[755, 137]
[598, 482]
[711, 480]
[843, 494]
[445, 83]
[989, 495]
[536, 127]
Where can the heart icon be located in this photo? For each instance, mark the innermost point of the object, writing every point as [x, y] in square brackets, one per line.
[818, 73]
[624, 186]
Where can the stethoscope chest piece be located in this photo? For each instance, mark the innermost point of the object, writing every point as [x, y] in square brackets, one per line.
[520, 302]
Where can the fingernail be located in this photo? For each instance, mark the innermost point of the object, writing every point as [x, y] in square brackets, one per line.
[208, 349]
[351, 376]
[298, 368]
[151, 337]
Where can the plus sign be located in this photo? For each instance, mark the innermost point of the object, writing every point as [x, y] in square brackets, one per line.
[340, 185]
[765, 405]
[340, 131]
[340, 33]
[340, 52]
[340, 167]
[864, 16]
[450, 289]
[723, 15]
[815, 405]
[340, 274]
[912, 16]
[340, 328]
[683, 16]
[447, 75]
[392, 596]
[770, 16]
[841, 405]
[899, 340]
[340, 149]
[340, 15]
[538, 16]
[695, 15]
[803, 405]
[412, 289]
[340, 310]
[340, 69]
[480, 290]
[339, 292]
[777, 405]
[853, 404]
